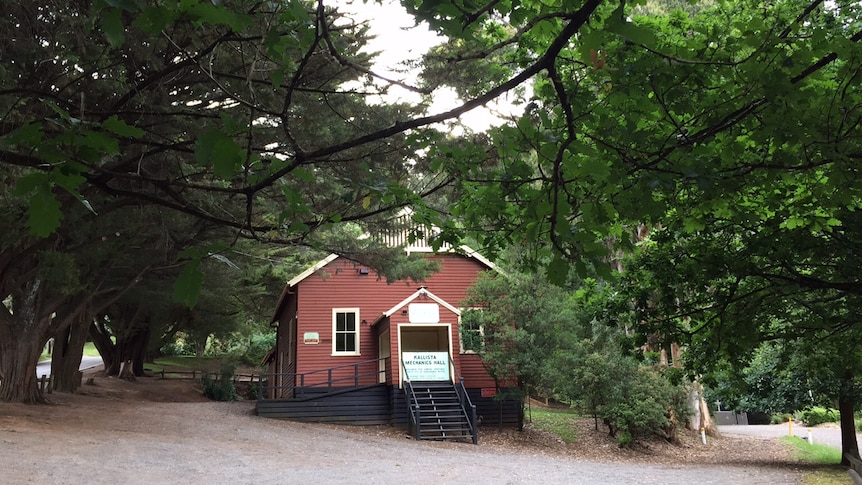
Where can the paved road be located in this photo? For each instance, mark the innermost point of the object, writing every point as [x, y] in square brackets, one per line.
[44, 368]
[828, 436]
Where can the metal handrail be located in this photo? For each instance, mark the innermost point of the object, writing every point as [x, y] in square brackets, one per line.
[466, 403]
[412, 402]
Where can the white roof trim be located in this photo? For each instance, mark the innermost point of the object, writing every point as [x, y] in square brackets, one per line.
[468, 251]
[417, 294]
[463, 250]
[310, 271]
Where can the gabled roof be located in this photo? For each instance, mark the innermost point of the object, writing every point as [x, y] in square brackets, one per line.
[310, 271]
[463, 250]
[423, 292]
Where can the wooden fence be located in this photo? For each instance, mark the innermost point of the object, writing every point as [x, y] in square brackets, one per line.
[198, 374]
[855, 470]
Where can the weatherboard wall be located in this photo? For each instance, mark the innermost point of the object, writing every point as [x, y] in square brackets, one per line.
[343, 284]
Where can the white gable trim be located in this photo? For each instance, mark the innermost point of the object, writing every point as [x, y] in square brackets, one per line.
[472, 253]
[417, 294]
[310, 271]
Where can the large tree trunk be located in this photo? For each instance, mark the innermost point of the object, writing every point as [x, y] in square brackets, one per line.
[701, 418]
[18, 359]
[101, 338]
[846, 406]
[128, 358]
[68, 351]
[23, 332]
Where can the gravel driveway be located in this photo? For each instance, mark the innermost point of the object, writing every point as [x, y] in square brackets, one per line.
[223, 443]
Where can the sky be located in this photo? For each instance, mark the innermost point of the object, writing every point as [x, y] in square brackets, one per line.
[398, 39]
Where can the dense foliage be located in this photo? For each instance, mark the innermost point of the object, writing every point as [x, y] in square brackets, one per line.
[560, 343]
[730, 129]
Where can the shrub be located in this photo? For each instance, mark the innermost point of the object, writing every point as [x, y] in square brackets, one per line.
[818, 415]
[220, 388]
[180, 345]
[649, 404]
[780, 418]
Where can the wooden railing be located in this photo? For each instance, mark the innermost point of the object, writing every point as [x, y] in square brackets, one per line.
[855, 469]
[314, 382]
[198, 374]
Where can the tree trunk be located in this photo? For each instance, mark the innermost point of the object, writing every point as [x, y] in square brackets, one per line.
[701, 418]
[18, 361]
[68, 351]
[127, 360]
[846, 406]
[22, 333]
[101, 338]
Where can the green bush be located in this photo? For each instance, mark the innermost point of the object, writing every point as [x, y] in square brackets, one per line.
[220, 388]
[248, 350]
[644, 407]
[180, 345]
[818, 415]
[780, 418]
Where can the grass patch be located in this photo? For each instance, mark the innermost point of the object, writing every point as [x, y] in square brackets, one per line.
[829, 476]
[830, 473]
[817, 453]
[560, 422]
[89, 351]
[183, 363]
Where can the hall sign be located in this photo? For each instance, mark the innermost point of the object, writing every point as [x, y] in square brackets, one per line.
[426, 366]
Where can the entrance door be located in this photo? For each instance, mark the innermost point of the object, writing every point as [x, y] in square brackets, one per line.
[435, 337]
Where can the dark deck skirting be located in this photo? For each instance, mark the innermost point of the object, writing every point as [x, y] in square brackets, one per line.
[378, 404]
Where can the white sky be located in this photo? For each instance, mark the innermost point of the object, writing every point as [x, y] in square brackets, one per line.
[397, 40]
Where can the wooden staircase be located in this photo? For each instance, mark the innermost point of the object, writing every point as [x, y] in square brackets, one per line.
[440, 413]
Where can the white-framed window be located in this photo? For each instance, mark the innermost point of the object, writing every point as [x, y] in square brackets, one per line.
[345, 331]
[471, 331]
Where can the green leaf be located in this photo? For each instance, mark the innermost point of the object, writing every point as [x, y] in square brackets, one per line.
[302, 174]
[70, 180]
[211, 14]
[44, 214]
[99, 141]
[219, 150]
[28, 183]
[633, 33]
[187, 287]
[154, 19]
[28, 134]
[558, 270]
[693, 224]
[112, 26]
[119, 127]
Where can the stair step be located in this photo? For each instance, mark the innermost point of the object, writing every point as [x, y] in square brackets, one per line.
[440, 413]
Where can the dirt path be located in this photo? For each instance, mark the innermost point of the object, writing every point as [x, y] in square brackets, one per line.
[131, 433]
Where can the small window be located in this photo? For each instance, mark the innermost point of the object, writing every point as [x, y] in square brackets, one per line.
[345, 331]
[472, 331]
